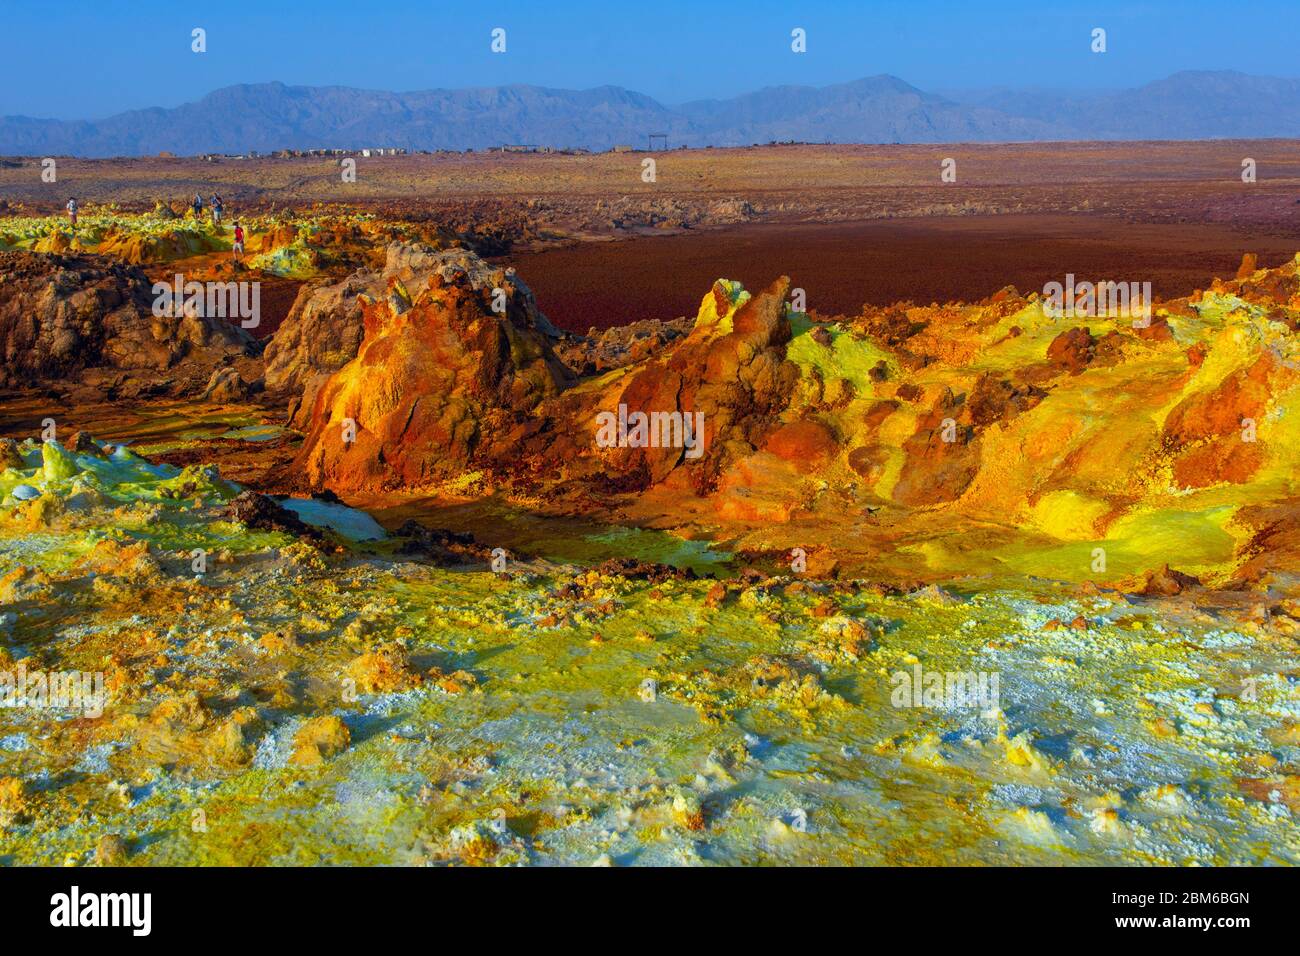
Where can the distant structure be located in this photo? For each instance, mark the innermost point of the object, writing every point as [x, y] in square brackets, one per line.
[621, 148]
[652, 137]
[529, 148]
[330, 151]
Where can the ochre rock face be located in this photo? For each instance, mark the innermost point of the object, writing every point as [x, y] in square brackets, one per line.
[1205, 430]
[731, 368]
[941, 459]
[442, 384]
[1072, 350]
[1220, 411]
[807, 444]
[320, 335]
[438, 385]
[1249, 263]
[323, 329]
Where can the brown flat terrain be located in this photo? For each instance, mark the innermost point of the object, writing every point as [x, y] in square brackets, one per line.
[849, 224]
[844, 265]
[1159, 181]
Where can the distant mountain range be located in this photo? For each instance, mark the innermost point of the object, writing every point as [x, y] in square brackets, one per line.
[878, 109]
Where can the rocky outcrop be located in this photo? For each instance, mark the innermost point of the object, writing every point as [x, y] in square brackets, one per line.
[1072, 350]
[731, 370]
[442, 383]
[598, 352]
[446, 376]
[987, 417]
[323, 330]
[226, 385]
[320, 335]
[263, 513]
[136, 248]
[942, 457]
[64, 316]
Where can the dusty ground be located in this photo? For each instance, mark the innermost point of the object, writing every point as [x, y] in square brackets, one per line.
[842, 266]
[850, 224]
[1162, 182]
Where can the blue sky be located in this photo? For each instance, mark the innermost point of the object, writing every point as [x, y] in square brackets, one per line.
[88, 59]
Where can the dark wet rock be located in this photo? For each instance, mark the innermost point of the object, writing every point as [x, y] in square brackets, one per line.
[638, 570]
[441, 546]
[83, 443]
[264, 513]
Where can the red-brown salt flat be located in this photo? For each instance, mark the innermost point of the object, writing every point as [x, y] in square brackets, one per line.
[843, 265]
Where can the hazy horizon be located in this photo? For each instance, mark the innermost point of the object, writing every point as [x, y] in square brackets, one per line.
[956, 94]
[675, 53]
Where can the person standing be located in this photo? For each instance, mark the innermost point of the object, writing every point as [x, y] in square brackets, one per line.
[238, 248]
[217, 207]
[72, 212]
[198, 206]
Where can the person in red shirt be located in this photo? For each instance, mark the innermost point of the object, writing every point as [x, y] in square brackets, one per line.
[238, 248]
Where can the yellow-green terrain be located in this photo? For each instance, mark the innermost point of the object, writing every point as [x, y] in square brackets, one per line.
[338, 703]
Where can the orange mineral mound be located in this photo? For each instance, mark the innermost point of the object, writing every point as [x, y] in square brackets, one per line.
[443, 378]
[962, 439]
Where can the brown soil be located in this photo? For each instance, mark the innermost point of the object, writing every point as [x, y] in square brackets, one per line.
[843, 182]
[849, 224]
[841, 266]
[275, 297]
